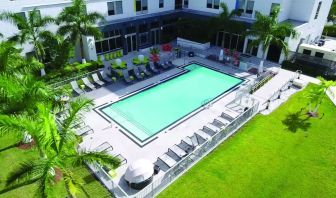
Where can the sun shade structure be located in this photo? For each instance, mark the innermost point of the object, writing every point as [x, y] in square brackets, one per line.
[139, 174]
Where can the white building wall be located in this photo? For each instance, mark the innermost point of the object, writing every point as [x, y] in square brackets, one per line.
[300, 10]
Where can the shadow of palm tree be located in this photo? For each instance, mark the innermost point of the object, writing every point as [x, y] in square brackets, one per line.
[296, 121]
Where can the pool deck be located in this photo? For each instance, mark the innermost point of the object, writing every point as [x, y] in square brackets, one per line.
[105, 131]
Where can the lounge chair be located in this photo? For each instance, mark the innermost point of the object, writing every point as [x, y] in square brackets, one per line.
[230, 114]
[104, 147]
[169, 64]
[137, 73]
[97, 80]
[75, 87]
[178, 151]
[170, 162]
[105, 77]
[122, 159]
[203, 135]
[84, 130]
[161, 65]
[212, 128]
[88, 83]
[144, 70]
[152, 68]
[126, 76]
[222, 121]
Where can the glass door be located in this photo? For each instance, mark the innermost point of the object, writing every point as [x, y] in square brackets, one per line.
[155, 36]
[131, 42]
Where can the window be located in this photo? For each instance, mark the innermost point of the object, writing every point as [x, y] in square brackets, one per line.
[213, 4]
[114, 8]
[37, 12]
[246, 7]
[112, 41]
[141, 5]
[319, 54]
[185, 3]
[23, 15]
[306, 52]
[318, 9]
[161, 3]
[273, 7]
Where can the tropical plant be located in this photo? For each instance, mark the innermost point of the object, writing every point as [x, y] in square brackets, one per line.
[20, 93]
[318, 94]
[332, 12]
[76, 22]
[30, 29]
[12, 62]
[57, 145]
[60, 50]
[267, 30]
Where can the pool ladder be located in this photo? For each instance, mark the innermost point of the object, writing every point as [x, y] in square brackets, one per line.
[206, 104]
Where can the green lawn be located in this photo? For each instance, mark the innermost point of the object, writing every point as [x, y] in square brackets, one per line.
[280, 155]
[11, 156]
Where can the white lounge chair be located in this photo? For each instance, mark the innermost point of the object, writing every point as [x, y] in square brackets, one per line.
[170, 162]
[105, 77]
[212, 128]
[104, 147]
[88, 83]
[75, 87]
[203, 135]
[84, 130]
[222, 121]
[178, 151]
[230, 113]
[97, 80]
[121, 158]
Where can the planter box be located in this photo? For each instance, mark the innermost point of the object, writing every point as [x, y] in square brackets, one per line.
[187, 43]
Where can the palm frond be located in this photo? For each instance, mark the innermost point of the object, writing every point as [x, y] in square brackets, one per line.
[101, 158]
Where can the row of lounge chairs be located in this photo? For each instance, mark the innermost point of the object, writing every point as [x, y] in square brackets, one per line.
[89, 84]
[79, 125]
[178, 151]
[142, 71]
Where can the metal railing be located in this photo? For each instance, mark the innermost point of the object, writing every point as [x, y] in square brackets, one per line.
[161, 182]
[186, 163]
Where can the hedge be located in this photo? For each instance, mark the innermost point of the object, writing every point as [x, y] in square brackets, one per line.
[308, 69]
[330, 31]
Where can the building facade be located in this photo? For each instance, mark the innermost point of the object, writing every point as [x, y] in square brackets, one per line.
[134, 24]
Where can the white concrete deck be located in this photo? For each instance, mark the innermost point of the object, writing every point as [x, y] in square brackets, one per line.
[105, 131]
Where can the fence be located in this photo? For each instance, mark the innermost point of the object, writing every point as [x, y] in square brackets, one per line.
[160, 183]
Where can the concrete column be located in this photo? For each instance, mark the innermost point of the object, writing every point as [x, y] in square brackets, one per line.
[245, 45]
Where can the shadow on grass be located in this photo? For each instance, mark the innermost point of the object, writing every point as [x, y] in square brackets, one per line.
[9, 147]
[296, 121]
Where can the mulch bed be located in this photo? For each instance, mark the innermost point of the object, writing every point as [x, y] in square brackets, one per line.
[26, 146]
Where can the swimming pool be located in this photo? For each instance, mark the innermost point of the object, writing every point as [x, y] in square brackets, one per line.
[148, 112]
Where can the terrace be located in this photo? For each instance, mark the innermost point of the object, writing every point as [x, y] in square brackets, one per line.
[108, 131]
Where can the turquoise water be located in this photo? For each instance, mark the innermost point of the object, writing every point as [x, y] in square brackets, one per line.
[148, 112]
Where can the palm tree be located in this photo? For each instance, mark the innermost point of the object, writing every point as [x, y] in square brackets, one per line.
[20, 93]
[57, 144]
[318, 94]
[76, 23]
[267, 30]
[12, 62]
[30, 29]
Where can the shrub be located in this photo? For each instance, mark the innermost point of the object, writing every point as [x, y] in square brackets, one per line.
[308, 69]
[330, 31]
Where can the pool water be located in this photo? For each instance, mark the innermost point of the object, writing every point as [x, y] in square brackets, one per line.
[148, 112]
